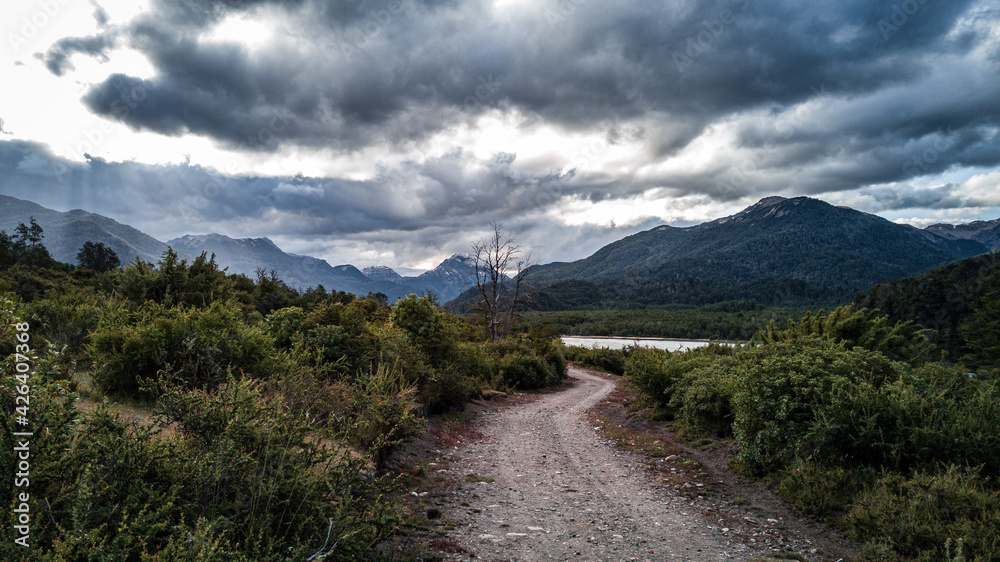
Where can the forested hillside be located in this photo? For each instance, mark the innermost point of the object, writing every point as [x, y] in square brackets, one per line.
[788, 252]
[959, 304]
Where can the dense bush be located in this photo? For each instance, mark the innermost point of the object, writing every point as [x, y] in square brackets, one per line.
[283, 324]
[915, 517]
[520, 362]
[783, 387]
[193, 346]
[424, 324]
[240, 480]
[600, 358]
[904, 341]
[846, 416]
[525, 371]
[705, 403]
[173, 281]
[383, 414]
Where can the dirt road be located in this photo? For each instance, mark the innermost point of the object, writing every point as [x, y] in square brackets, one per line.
[559, 492]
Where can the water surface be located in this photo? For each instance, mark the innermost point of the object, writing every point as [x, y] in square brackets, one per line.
[619, 343]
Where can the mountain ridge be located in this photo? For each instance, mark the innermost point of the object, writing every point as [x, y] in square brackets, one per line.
[779, 251]
[797, 246]
[66, 231]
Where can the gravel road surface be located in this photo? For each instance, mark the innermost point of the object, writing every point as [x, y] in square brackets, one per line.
[559, 492]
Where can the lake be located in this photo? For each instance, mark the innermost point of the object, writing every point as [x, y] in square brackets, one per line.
[619, 343]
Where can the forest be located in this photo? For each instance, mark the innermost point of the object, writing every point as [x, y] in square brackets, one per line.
[267, 416]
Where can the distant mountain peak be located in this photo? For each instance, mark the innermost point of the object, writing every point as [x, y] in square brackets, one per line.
[768, 201]
[772, 201]
[382, 273]
[461, 258]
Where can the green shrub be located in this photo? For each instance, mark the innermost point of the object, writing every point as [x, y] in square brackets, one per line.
[242, 478]
[925, 417]
[283, 324]
[820, 490]
[652, 374]
[526, 371]
[783, 386]
[448, 390]
[173, 282]
[522, 362]
[557, 362]
[424, 324]
[905, 341]
[914, 517]
[705, 401]
[194, 346]
[384, 414]
[600, 358]
[66, 318]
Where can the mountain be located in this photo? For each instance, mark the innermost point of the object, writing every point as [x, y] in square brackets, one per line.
[382, 273]
[447, 280]
[248, 255]
[66, 232]
[777, 251]
[983, 232]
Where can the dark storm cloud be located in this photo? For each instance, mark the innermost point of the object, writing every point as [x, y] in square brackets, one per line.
[375, 72]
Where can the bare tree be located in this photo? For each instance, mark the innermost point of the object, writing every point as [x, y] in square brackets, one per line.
[498, 266]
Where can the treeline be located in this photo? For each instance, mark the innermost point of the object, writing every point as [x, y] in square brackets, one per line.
[959, 304]
[849, 418]
[640, 292]
[275, 411]
[730, 320]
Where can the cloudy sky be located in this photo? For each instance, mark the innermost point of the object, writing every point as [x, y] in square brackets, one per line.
[392, 131]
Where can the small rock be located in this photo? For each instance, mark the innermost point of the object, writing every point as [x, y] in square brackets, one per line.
[433, 513]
